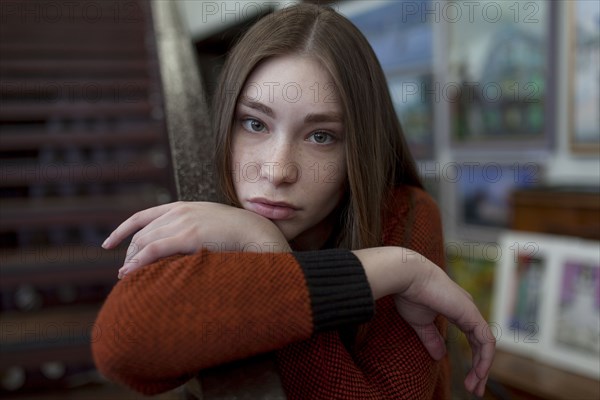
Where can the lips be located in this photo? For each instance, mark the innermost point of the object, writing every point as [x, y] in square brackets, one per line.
[272, 209]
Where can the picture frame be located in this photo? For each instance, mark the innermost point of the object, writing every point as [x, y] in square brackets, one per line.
[520, 311]
[573, 323]
[402, 39]
[546, 301]
[498, 88]
[584, 69]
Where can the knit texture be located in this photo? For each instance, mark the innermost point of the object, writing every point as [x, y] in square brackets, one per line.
[167, 321]
[339, 291]
[386, 359]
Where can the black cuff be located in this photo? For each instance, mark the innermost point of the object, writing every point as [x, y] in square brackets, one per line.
[339, 291]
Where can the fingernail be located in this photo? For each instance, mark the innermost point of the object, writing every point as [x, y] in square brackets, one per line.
[106, 242]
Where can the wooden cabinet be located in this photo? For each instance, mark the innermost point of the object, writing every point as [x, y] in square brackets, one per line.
[527, 379]
[570, 211]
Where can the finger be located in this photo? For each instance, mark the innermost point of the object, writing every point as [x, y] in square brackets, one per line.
[469, 296]
[152, 252]
[483, 356]
[483, 353]
[480, 389]
[432, 340]
[475, 349]
[483, 344]
[469, 320]
[471, 381]
[453, 302]
[159, 228]
[135, 222]
[458, 307]
[487, 352]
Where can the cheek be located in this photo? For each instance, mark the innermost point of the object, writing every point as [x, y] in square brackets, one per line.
[328, 183]
[244, 151]
[245, 166]
[335, 172]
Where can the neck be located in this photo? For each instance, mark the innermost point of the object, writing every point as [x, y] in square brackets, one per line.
[316, 237]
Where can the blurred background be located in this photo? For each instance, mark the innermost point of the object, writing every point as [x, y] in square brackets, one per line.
[499, 101]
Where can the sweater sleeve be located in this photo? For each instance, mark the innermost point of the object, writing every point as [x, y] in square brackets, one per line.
[162, 324]
[384, 358]
[388, 341]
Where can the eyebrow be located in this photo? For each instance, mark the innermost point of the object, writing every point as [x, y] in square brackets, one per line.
[310, 118]
[258, 106]
[329, 117]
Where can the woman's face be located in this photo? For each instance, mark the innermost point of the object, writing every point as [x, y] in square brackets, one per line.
[289, 163]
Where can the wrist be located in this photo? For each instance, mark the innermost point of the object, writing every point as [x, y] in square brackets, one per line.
[391, 270]
[384, 269]
[265, 237]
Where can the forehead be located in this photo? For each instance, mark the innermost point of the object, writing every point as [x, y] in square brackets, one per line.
[298, 80]
[290, 66]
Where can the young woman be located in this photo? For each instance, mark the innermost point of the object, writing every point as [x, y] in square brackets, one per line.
[325, 248]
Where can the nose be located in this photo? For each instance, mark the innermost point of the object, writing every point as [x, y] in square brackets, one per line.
[280, 167]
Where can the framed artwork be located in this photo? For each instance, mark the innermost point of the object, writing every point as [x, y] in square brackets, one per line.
[484, 190]
[399, 32]
[546, 301]
[574, 297]
[412, 95]
[498, 84]
[522, 276]
[402, 38]
[584, 73]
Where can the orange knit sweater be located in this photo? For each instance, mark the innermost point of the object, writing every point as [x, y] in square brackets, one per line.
[167, 321]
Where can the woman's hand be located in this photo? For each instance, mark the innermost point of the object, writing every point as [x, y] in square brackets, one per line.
[422, 290]
[187, 227]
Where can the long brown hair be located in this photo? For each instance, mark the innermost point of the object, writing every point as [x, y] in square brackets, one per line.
[377, 155]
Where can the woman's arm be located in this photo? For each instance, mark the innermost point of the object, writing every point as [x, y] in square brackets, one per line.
[187, 227]
[405, 330]
[388, 359]
[184, 314]
[421, 292]
[163, 323]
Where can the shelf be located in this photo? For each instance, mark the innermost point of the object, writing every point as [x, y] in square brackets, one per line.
[541, 380]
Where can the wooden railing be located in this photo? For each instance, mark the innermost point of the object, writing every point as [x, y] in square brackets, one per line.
[83, 145]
